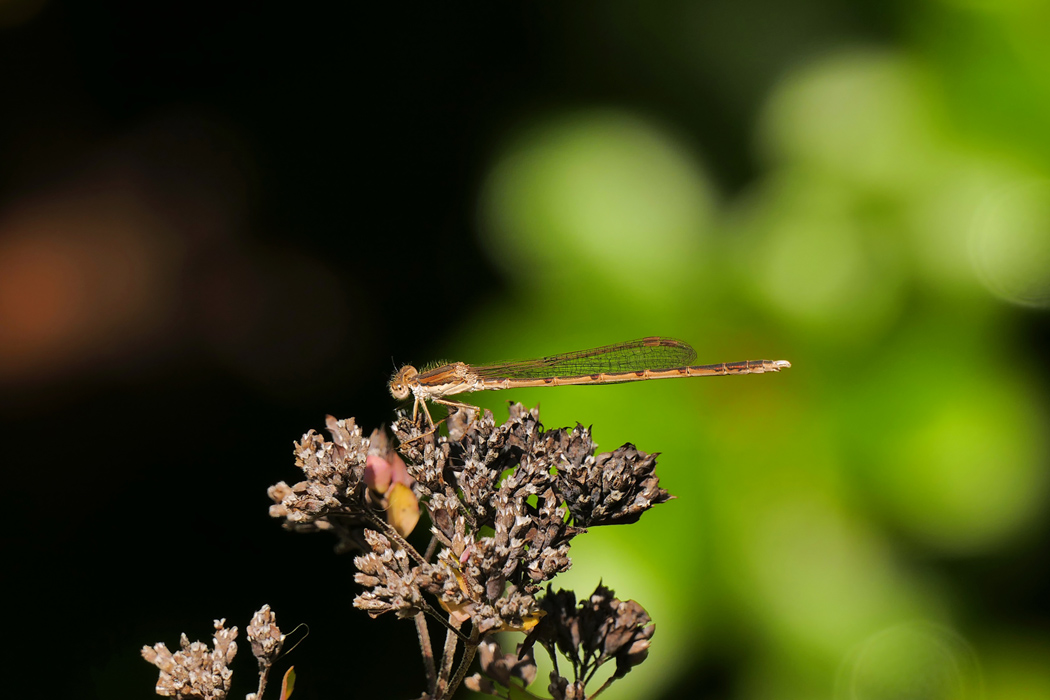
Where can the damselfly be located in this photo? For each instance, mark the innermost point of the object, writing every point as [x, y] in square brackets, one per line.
[632, 361]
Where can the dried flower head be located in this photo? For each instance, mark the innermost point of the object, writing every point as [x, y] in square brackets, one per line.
[395, 584]
[195, 671]
[601, 628]
[265, 636]
[613, 488]
[334, 481]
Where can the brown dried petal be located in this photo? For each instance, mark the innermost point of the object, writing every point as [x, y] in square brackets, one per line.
[561, 689]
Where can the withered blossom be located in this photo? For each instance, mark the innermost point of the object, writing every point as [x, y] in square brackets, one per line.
[505, 502]
[267, 641]
[334, 481]
[596, 631]
[196, 671]
[396, 586]
[265, 636]
[613, 488]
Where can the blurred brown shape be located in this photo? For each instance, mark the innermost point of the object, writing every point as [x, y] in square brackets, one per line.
[142, 255]
[17, 12]
[81, 271]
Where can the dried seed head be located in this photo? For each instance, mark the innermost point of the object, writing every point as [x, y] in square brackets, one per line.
[265, 636]
[601, 628]
[195, 671]
[613, 488]
[394, 582]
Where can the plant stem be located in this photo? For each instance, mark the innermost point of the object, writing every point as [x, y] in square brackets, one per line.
[449, 655]
[428, 651]
[470, 648]
[606, 684]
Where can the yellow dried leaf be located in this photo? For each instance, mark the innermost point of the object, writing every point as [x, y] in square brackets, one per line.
[402, 510]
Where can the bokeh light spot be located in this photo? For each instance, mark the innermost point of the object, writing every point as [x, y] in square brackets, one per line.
[40, 295]
[1010, 243]
[820, 265]
[942, 219]
[970, 473]
[861, 116]
[819, 262]
[911, 661]
[598, 194]
[82, 273]
[823, 578]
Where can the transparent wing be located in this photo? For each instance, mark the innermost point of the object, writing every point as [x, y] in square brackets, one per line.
[631, 356]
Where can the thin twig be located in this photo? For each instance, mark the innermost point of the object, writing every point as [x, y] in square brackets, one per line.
[470, 648]
[264, 674]
[428, 651]
[431, 548]
[554, 658]
[606, 684]
[451, 642]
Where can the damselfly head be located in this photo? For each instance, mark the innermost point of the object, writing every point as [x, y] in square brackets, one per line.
[399, 382]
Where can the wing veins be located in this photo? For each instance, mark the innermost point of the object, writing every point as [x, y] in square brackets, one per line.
[631, 356]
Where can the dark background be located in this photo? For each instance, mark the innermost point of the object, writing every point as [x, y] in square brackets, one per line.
[269, 207]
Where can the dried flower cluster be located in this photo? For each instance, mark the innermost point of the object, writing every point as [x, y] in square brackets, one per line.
[197, 672]
[504, 501]
[504, 504]
[599, 630]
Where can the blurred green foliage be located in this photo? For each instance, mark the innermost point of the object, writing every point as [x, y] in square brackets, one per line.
[900, 224]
